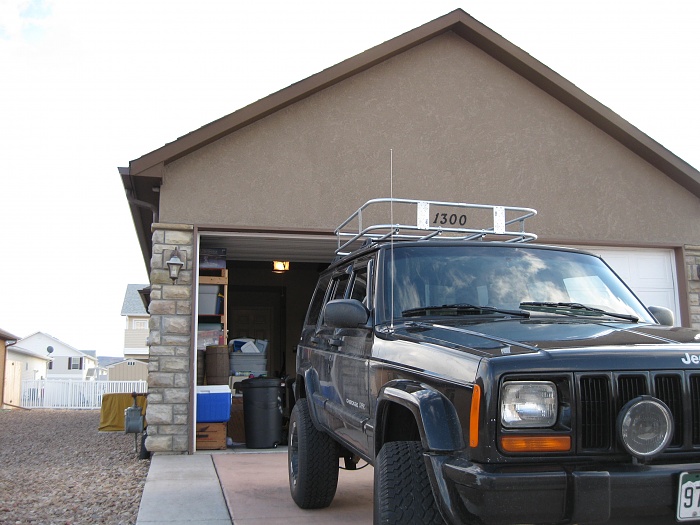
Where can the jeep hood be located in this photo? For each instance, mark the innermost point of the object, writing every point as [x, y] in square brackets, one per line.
[517, 336]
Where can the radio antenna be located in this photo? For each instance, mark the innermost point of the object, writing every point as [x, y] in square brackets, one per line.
[391, 221]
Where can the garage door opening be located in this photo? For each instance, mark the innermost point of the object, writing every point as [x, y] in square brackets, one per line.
[248, 314]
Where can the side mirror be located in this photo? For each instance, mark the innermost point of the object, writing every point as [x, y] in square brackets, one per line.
[345, 313]
[663, 315]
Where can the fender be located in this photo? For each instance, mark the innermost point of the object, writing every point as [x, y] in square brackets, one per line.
[439, 429]
[435, 415]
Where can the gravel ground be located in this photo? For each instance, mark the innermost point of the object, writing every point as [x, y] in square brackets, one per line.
[57, 469]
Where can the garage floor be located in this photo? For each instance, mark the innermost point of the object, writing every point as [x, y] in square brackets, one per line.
[256, 490]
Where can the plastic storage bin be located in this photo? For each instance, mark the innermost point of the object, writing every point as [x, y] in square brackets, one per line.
[213, 404]
[255, 364]
[208, 299]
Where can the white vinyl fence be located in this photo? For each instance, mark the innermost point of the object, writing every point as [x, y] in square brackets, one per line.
[67, 393]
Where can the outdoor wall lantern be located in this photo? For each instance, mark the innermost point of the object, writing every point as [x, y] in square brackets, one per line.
[280, 266]
[175, 264]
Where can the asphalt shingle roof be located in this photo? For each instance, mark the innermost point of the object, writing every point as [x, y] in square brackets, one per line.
[133, 305]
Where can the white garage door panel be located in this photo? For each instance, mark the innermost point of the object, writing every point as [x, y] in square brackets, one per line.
[651, 273]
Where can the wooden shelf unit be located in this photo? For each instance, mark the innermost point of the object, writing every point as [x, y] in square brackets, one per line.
[217, 276]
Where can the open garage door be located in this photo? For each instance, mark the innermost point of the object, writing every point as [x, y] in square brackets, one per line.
[651, 273]
[256, 302]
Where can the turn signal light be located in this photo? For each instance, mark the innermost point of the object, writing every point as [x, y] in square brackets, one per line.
[474, 417]
[536, 443]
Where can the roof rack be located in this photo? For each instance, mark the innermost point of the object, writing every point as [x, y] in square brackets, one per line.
[433, 219]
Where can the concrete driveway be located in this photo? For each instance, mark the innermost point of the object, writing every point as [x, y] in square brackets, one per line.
[256, 490]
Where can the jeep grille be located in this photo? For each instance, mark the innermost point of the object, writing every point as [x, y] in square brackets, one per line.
[602, 396]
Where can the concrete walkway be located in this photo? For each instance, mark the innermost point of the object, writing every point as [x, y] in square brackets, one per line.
[243, 487]
[182, 490]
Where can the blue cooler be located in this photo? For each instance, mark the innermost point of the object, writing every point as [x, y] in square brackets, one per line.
[213, 404]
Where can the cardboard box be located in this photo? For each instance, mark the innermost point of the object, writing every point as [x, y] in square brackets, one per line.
[209, 338]
[236, 425]
[213, 403]
[211, 436]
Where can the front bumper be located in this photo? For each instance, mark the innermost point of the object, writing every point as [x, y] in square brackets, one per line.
[557, 494]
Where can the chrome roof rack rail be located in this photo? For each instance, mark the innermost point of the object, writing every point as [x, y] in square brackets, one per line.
[433, 219]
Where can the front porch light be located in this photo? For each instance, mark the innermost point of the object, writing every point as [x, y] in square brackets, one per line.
[175, 264]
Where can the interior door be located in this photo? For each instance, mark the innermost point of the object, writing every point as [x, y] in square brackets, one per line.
[255, 323]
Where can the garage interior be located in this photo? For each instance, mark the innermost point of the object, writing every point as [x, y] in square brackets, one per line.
[262, 303]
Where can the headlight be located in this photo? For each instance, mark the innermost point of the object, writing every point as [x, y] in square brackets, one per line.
[528, 404]
[645, 427]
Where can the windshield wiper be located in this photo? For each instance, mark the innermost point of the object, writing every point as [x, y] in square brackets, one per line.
[461, 309]
[573, 308]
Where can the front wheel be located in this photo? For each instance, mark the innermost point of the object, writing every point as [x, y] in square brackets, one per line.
[312, 460]
[402, 493]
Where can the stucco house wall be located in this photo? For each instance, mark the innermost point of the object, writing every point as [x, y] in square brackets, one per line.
[461, 125]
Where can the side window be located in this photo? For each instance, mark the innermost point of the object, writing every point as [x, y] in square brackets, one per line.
[317, 301]
[340, 285]
[359, 286]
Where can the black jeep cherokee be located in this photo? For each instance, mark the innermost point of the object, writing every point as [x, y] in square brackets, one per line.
[493, 383]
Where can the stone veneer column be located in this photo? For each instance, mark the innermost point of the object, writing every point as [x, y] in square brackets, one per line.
[169, 376]
[692, 271]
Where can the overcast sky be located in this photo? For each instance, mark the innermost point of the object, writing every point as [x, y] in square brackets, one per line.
[88, 85]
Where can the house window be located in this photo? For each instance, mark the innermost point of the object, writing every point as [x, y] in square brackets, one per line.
[140, 324]
[130, 363]
[75, 363]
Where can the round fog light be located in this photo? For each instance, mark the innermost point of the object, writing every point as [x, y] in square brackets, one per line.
[645, 427]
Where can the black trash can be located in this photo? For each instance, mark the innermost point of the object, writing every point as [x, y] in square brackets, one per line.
[262, 412]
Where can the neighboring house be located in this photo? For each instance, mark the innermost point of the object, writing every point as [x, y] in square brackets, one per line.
[103, 363]
[469, 117]
[6, 339]
[22, 365]
[66, 362]
[33, 365]
[136, 331]
[128, 370]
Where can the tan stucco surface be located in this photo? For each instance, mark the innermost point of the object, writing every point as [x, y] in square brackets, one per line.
[461, 126]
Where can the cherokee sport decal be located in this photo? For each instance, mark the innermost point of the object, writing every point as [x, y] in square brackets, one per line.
[688, 359]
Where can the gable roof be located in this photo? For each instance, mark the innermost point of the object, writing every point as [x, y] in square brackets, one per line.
[29, 353]
[106, 361]
[37, 340]
[146, 172]
[133, 304]
[7, 336]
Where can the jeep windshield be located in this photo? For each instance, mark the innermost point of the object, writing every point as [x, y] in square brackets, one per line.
[496, 280]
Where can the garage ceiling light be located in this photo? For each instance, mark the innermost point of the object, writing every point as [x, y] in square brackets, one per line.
[280, 266]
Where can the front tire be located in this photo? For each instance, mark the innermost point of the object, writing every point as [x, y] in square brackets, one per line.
[402, 493]
[312, 461]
